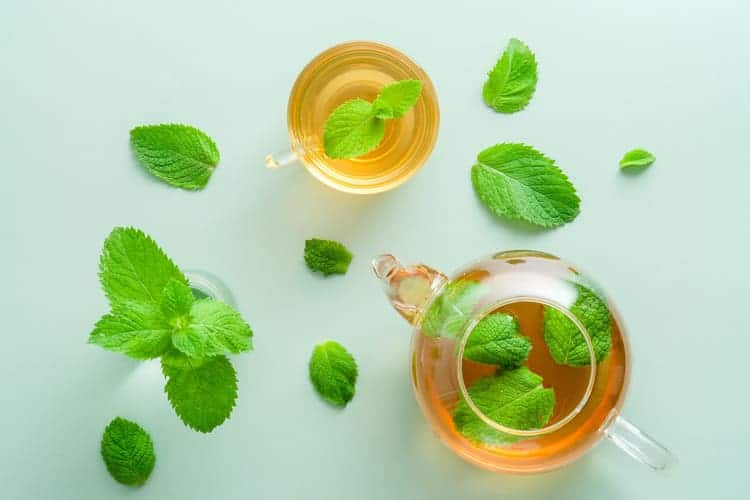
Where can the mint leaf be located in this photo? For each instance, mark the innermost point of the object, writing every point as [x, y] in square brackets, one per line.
[134, 329]
[512, 81]
[333, 373]
[352, 130]
[519, 182]
[128, 452]
[566, 342]
[637, 158]
[450, 311]
[180, 155]
[497, 340]
[327, 256]
[516, 399]
[396, 99]
[203, 397]
[177, 299]
[173, 362]
[133, 268]
[214, 328]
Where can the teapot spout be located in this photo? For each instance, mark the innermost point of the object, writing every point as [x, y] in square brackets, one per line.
[410, 289]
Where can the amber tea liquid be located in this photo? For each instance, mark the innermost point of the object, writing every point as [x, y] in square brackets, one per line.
[348, 71]
[434, 375]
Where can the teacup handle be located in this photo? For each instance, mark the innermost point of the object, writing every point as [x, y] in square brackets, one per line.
[637, 443]
[281, 159]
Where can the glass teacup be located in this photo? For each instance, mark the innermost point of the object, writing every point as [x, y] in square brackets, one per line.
[359, 70]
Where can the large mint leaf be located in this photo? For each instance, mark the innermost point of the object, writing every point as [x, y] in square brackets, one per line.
[512, 81]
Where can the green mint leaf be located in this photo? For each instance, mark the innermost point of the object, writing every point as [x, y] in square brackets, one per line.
[133, 268]
[333, 373]
[204, 396]
[497, 340]
[450, 311]
[512, 81]
[515, 398]
[177, 299]
[327, 256]
[134, 329]
[637, 158]
[396, 99]
[173, 362]
[566, 342]
[519, 182]
[352, 130]
[215, 328]
[128, 452]
[180, 155]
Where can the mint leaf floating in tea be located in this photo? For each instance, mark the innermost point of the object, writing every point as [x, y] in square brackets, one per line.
[202, 395]
[155, 314]
[566, 342]
[450, 311]
[180, 155]
[518, 182]
[327, 256]
[515, 399]
[333, 373]
[497, 340]
[512, 81]
[213, 328]
[128, 452]
[637, 158]
[357, 126]
[396, 99]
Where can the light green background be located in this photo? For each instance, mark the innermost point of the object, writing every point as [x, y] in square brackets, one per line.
[670, 244]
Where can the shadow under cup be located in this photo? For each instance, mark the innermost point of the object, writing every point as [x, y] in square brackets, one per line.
[360, 70]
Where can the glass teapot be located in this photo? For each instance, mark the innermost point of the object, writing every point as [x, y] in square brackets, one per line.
[519, 363]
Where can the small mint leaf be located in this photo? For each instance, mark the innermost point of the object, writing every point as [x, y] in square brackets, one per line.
[327, 256]
[512, 81]
[134, 329]
[637, 158]
[519, 182]
[177, 299]
[128, 452]
[396, 99]
[352, 130]
[333, 373]
[180, 155]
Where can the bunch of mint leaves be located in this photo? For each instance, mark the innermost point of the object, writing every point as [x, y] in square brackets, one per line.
[155, 315]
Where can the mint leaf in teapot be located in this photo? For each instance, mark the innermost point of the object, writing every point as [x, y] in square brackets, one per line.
[512, 81]
[450, 311]
[514, 398]
[518, 182]
[179, 155]
[333, 373]
[566, 343]
[497, 340]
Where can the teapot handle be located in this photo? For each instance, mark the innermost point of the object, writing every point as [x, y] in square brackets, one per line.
[638, 444]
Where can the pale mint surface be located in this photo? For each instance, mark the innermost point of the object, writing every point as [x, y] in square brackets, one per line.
[668, 244]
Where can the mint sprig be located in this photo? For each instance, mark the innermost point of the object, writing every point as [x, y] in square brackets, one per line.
[180, 155]
[154, 314]
[518, 182]
[512, 82]
[357, 126]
